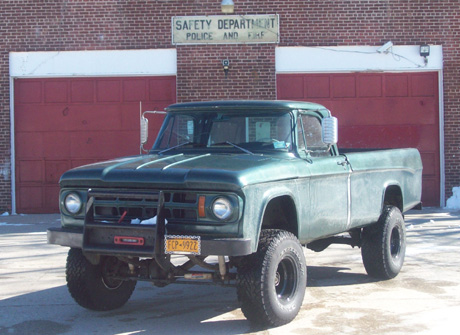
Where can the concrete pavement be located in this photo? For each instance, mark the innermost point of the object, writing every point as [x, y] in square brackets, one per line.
[340, 298]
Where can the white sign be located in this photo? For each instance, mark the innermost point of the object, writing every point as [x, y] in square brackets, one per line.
[225, 29]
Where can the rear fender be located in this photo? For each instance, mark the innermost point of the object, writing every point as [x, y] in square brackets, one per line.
[392, 195]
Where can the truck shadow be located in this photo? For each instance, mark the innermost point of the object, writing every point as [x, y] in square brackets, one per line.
[325, 276]
[189, 309]
[176, 309]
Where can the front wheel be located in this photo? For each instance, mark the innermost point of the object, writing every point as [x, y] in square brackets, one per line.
[271, 282]
[384, 245]
[95, 286]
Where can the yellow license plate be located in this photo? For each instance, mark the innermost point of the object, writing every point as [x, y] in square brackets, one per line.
[175, 244]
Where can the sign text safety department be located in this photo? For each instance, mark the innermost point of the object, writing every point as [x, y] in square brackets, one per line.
[225, 29]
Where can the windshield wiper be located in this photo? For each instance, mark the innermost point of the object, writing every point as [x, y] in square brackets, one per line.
[175, 147]
[238, 147]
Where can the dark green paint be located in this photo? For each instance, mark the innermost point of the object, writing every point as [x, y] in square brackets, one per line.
[331, 194]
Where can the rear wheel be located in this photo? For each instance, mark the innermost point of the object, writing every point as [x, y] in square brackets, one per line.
[384, 245]
[271, 282]
[95, 286]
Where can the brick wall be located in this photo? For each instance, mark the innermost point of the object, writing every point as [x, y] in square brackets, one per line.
[251, 73]
[47, 25]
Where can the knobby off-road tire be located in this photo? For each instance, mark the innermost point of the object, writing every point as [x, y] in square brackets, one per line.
[91, 286]
[384, 245]
[271, 282]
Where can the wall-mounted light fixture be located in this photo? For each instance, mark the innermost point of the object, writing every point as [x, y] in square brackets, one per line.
[424, 50]
[227, 6]
[226, 66]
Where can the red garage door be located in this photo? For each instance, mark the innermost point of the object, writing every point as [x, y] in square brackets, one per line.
[379, 110]
[64, 123]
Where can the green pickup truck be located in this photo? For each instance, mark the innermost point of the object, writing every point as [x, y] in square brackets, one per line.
[248, 183]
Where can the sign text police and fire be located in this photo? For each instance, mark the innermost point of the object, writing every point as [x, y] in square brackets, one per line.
[225, 29]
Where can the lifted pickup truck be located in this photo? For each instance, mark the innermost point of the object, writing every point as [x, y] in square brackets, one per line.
[250, 182]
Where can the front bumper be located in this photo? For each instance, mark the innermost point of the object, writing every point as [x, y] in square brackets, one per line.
[218, 246]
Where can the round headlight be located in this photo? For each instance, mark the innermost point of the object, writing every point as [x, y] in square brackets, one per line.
[72, 203]
[222, 208]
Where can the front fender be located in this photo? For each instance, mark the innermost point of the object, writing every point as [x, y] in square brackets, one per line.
[258, 197]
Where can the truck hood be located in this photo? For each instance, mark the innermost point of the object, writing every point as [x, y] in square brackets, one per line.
[198, 171]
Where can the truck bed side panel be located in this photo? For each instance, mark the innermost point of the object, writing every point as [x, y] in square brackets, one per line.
[373, 172]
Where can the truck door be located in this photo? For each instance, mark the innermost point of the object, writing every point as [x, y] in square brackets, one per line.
[329, 185]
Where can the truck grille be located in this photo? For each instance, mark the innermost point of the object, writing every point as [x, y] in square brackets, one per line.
[128, 207]
[122, 221]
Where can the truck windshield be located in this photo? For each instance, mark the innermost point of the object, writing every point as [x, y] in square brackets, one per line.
[249, 132]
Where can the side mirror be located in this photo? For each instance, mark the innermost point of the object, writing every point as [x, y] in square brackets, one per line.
[330, 133]
[144, 129]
